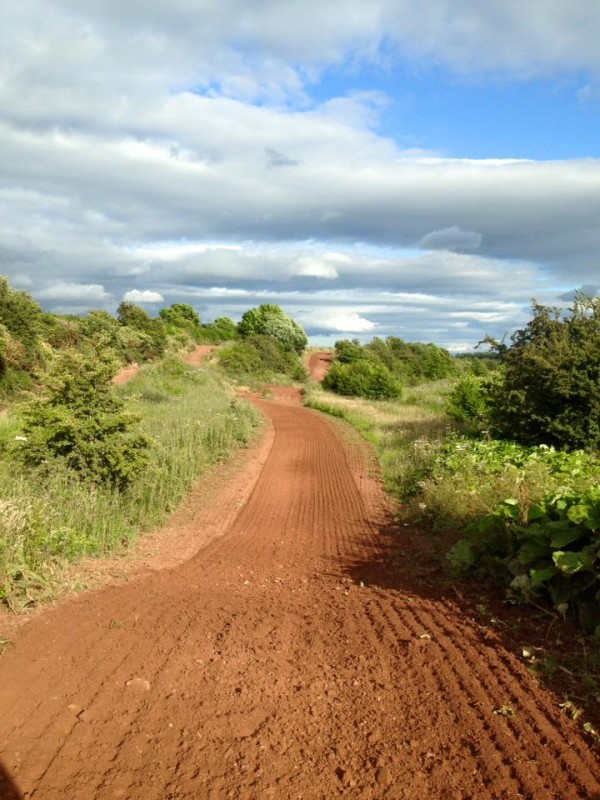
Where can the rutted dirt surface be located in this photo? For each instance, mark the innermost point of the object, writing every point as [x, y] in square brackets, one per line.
[319, 363]
[288, 659]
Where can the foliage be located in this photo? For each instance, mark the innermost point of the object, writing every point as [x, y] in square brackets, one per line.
[362, 378]
[271, 320]
[22, 319]
[223, 329]
[409, 363]
[262, 357]
[82, 421]
[467, 401]
[180, 315]
[347, 352]
[151, 340]
[551, 549]
[550, 386]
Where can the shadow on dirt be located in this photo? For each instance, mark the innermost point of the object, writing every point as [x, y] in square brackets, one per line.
[413, 562]
[8, 788]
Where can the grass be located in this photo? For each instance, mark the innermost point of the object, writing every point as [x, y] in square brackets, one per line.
[194, 422]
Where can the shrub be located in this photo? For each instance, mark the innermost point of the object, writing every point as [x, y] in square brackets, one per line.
[153, 333]
[467, 401]
[263, 357]
[549, 391]
[81, 421]
[362, 378]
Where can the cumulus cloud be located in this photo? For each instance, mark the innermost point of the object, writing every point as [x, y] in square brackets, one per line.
[143, 296]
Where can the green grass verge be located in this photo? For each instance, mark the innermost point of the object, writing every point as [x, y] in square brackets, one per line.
[194, 422]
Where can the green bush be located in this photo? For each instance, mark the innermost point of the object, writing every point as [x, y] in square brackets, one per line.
[549, 391]
[81, 421]
[151, 333]
[362, 378]
[467, 401]
[261, 357]
[22, 318]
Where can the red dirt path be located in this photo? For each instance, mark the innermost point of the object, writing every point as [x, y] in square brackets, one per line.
[281, 661]
[319, 363]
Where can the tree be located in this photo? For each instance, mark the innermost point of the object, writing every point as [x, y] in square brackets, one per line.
[549, 391]
[271, 320]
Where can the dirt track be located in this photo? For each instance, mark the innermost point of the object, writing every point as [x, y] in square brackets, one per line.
[319, 363]
[287, 659]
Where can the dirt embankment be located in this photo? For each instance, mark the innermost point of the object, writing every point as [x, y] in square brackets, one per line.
[289, 658]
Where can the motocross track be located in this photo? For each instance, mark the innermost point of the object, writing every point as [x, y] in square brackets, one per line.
[289, 658]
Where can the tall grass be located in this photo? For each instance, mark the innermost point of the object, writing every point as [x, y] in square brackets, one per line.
[193, 422]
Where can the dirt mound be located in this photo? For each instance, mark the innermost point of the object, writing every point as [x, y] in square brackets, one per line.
[288, 659]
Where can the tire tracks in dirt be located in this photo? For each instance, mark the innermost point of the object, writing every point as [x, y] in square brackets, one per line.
[283, 660]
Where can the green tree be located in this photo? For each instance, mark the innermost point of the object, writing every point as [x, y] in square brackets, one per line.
[180, 315]
[271, 320]
[549, 390]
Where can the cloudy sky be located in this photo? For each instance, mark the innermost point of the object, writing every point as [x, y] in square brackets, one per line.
[418, 168]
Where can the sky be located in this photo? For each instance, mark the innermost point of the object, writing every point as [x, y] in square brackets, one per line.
[414, 168]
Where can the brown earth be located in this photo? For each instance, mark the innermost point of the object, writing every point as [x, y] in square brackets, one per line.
[319, 363]
[289, 658]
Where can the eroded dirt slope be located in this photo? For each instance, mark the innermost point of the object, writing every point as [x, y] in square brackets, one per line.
[278, 662]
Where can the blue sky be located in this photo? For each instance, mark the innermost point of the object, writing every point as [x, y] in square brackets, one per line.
[418, 169]
[486, 117]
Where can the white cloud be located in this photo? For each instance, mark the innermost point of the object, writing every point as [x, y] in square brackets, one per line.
[143, 296]
[350, 322]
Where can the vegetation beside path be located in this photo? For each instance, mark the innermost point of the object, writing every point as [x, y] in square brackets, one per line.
[49, 516]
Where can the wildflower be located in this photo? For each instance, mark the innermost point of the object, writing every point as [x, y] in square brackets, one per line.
[20, 438]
